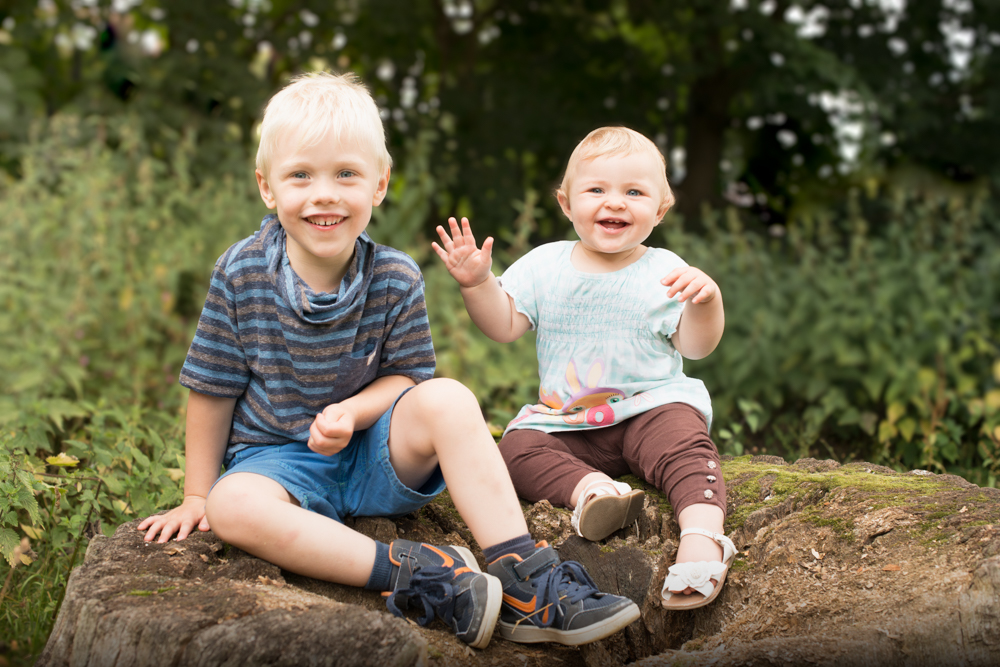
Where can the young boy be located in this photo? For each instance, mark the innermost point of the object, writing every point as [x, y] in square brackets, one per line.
[614, 319]
[310, 378]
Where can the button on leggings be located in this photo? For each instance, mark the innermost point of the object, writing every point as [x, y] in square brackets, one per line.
[668, 447]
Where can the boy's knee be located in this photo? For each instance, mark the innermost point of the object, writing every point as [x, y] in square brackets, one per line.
[228, 506]
[443, 397]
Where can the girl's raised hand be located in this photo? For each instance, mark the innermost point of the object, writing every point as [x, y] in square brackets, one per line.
[468, 265]
[691, 283]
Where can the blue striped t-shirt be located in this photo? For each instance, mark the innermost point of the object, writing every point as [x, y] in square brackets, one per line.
[286, 352]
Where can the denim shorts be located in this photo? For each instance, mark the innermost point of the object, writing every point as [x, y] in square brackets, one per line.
[356, 481]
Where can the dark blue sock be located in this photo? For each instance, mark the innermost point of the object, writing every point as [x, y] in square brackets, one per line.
[522, 546]
[381, 575]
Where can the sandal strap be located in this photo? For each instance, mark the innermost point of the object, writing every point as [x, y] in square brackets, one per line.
[728, 548]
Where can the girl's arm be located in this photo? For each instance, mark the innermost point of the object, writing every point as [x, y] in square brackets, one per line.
[700, 328]
[489, 306]
[493, 311]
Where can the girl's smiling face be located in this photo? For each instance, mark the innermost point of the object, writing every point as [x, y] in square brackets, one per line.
[614, 201]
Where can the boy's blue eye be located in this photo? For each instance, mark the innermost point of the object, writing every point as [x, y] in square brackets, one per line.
[299, 174]
[346, 173]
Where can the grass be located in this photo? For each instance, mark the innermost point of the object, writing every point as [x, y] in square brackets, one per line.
[28, 611]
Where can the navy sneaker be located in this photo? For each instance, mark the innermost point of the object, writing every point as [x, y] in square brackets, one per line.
[446, 582]
[545, 600]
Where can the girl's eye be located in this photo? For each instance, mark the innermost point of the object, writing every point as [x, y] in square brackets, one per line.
[597, 190]
[633, 193]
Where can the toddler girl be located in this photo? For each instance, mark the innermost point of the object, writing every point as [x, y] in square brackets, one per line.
[613, 319]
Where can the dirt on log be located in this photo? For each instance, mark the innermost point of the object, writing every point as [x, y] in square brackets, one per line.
[837, 565]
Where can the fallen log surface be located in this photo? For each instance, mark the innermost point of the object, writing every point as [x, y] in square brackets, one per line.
[837, 565]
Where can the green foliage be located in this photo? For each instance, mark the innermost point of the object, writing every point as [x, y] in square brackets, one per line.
[856, 344]
[105, 256]
[868, 332]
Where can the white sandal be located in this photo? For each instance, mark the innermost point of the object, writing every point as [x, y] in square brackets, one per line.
[599, 513]
[698, 575]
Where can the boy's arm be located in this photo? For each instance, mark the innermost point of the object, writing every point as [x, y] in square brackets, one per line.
[209, 420]
[703, 320]
[489, 306]
[332, 429]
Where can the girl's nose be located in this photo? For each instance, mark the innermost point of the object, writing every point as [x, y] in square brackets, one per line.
[614, 201]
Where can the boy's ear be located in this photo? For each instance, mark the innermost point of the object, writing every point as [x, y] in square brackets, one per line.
[563, 203]
[383, 187]
[265, 190]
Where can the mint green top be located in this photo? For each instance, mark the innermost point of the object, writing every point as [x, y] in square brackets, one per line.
[603, 339]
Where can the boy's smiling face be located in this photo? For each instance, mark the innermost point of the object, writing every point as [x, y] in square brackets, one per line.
[323, 195]
[614, 201]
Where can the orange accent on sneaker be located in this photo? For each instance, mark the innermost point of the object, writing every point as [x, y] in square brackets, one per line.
[519, 559]
[461, 570]
[545, 616]
[542, 544]
[526, 607]
[448, 560]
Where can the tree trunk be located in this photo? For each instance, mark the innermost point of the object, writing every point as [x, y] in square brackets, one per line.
[707, 120]
[837, 565]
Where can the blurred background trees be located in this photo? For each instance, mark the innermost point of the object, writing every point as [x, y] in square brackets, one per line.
[766, 105]
[837, 166]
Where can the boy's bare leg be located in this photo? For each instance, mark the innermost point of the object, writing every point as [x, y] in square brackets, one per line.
[439, 422]
[695, 548]
[256, 514]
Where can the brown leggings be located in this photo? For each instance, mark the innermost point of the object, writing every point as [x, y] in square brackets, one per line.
[668, 446]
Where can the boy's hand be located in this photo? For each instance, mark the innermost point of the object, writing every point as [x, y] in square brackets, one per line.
[468, 265]
[181, 519]
[332, 429]
[690, 282]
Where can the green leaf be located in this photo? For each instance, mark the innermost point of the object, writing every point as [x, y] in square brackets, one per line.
[8, 541]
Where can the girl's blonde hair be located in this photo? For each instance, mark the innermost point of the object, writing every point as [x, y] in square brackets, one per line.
[617, 141]
[317, 103]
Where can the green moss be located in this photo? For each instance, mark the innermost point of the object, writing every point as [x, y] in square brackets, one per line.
[842, 528]
[739, 564]
[142, 593]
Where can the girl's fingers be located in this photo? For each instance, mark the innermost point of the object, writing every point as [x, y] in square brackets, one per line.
[445, 239]
[467, 232]
[487, 247]
[456, 233]
[439, 250]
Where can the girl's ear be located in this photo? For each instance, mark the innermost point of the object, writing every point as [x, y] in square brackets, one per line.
[668, 203]
[265, 190]
[563, 203]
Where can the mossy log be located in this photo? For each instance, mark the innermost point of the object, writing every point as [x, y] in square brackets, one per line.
[837, 565]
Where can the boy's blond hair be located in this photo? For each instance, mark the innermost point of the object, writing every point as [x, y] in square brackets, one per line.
[617, 141]
[317, 103]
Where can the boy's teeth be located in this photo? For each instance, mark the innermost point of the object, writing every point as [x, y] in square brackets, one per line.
[323, 222]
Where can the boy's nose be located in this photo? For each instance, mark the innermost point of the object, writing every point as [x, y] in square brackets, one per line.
[324, 194]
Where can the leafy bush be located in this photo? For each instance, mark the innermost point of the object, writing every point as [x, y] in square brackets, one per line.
[868, 344]
[877, 345]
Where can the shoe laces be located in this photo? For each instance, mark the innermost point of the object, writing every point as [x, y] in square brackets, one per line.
[571, 579]
[432, 587]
